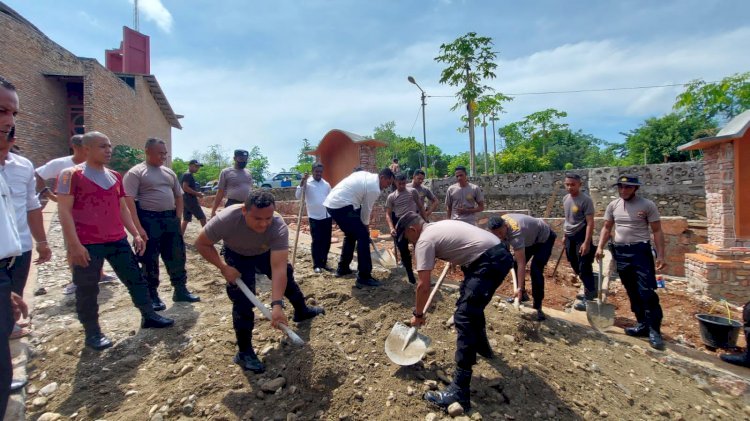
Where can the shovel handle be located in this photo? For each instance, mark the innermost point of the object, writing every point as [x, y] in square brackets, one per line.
[516, 299]
[299, 225]
[267, 313]
[437, 286]
[380, 256]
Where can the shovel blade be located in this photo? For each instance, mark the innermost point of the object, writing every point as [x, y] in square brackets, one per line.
[404, 347]
[383, 258]
[601, 316]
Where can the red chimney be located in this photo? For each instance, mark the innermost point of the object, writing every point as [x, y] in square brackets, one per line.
[133, 56]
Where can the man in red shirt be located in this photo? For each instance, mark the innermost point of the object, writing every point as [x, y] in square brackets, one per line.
[94, 215]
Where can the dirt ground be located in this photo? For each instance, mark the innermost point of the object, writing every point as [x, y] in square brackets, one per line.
[550, 370]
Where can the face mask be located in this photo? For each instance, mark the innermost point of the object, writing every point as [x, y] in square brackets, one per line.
[241, 164]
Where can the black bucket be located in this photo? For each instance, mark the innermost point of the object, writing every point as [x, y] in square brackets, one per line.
[717, 331]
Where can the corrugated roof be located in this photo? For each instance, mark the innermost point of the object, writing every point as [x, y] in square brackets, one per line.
[735, 129]
[161, 100]
[355, 138]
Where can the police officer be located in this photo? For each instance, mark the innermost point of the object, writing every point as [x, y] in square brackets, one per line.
[579, 229]
[256, 238]
[531, 239]
[464, 200]
[485, 263]
[425, 194]
[235, 182]
[631, 216]
[190, 195]
[402, 200]
[157, 191]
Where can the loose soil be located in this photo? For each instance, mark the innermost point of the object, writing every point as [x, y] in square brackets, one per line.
[549, 370]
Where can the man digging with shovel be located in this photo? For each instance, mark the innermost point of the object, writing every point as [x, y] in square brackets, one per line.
[255, 239]
[485, 262]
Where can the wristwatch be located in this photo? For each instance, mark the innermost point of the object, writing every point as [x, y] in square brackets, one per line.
[417, 315]
[278, 303]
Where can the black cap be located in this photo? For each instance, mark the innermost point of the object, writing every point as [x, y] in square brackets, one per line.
[627, 180]
[240, 153]
[195, 162]
[407, 220]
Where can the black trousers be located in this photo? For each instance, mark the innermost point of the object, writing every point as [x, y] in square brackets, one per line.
[539, 254]
[191, 207]
[582, 264]
[481, 278]
[403, 250]
[165, 240]
[19, 272]
[243, 318]
[355, 234]
[6, 328]
[635, 265]
[122, 259]
[320, 230]
[231, 202]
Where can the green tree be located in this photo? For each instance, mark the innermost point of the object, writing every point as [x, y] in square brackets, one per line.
[469, 60]
[522, 158]
[125, 157]
[656, 140]
[304, 161]
[721, 100]
[257, 163]
[407, 149]
[488, 107]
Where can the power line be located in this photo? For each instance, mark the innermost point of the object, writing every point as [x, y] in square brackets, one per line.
[627, 88]
[415, 120]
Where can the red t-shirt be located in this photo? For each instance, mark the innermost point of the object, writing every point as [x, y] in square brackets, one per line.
[96, 211]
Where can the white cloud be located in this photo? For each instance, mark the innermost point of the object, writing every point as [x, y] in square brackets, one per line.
[259, 105]
[154, 11]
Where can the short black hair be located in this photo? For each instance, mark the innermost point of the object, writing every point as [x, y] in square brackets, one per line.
[495, 222]
[260, 199]
[460, 168]
[386, 172]
[395, 159]
[5, 83]
[419, 172]
[573, 175]
[317, 165]
[400, 177]
[76, 140]
[357, 169]
[153, 141]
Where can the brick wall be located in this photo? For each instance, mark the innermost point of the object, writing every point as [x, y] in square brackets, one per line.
[127, 116]
[42, 124]
[367, 156]
[720, 272]
[719, 168]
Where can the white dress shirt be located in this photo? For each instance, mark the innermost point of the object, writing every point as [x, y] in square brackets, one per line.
[360, 190]
[315, 193]
[19, 175]
[11, 243]
[52, 169]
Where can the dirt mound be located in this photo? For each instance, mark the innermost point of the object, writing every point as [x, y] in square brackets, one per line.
[552, 370]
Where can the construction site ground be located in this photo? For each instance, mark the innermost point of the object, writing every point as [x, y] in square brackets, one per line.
[557, 369]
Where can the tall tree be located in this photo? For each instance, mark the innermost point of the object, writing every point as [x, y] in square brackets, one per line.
[488, 107]
[304, 161]
[257, 163]
[719, 100]
[470, 60]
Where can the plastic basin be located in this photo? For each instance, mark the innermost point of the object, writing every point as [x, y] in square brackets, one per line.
[717, 331]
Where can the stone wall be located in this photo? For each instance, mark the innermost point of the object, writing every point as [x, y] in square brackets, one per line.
[676, 188]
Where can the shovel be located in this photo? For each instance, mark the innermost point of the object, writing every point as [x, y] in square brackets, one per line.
[404, 345]
[267, 313]
[600, 314]
[516, 300]
[387, 261]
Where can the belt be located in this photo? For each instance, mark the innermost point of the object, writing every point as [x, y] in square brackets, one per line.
[631, 244]
[7, 262]
[160, 213]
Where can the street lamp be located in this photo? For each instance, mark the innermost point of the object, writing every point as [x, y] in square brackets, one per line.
[424, 128]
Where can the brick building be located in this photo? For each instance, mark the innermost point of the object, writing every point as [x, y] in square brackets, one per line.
[62, 94]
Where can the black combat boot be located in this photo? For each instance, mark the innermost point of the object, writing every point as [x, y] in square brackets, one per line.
[151, 319]
[639, 330]
[95, 339]
[308, 313]
[655, 339]
[458, 391]
[182, 294]
[156, 302]
[740, 359]
[249, 361]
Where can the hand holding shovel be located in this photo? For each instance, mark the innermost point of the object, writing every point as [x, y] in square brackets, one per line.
[267, 313]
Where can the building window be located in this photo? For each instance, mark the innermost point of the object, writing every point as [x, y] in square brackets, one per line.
[129, 80]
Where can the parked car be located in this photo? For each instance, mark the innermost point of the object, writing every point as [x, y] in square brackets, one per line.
[282, 179]
[211, 187]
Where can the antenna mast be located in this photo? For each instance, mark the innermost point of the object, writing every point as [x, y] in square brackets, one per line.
[135, 16]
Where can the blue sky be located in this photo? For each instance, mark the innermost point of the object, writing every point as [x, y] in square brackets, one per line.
[248, 73]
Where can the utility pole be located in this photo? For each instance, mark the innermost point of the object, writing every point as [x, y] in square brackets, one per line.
[424, 127]
[136, 24]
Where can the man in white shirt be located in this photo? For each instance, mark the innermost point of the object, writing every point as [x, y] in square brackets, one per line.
[316, 192]
[18, 173]
[52, 169]
[350, 205]
[11, 304]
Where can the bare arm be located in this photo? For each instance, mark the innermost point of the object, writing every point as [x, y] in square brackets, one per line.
[217, 201]
[279, 262]
[127, 219]
[589, 235]
[130, 202]
[41, 185]
[206, 249]
[77, 253]
[659, 242]
[36, 225]
[186, 188]
[603, 238]
[390, 221]
[179, 206]
[433, 206]
[422, 295]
